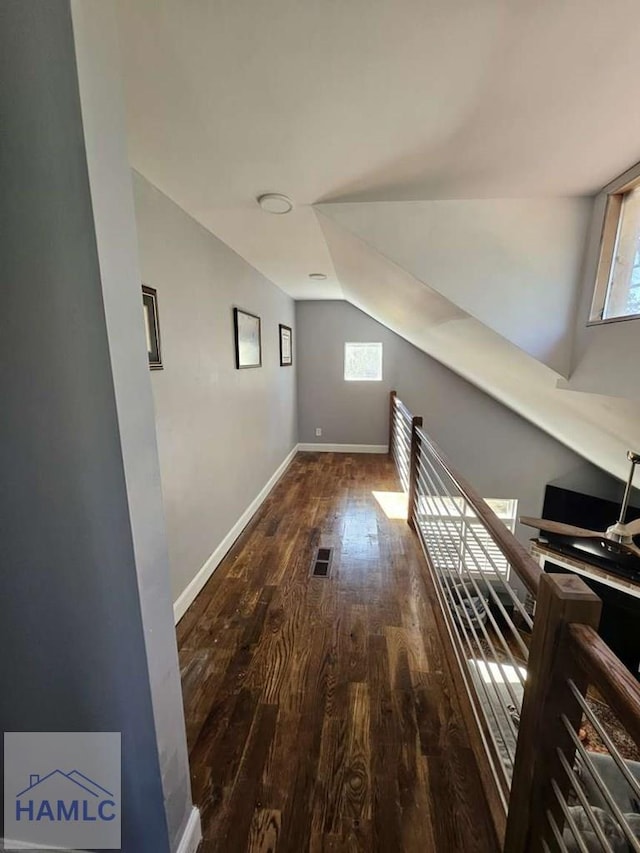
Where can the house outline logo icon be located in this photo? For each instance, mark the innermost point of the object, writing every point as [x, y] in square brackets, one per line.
[60, 805]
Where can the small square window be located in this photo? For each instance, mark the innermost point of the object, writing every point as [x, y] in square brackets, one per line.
[362, 362]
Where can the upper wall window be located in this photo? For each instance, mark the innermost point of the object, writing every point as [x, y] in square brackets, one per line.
[617, 293]
[362, 362]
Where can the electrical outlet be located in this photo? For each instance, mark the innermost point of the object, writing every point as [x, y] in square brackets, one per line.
[318, 432]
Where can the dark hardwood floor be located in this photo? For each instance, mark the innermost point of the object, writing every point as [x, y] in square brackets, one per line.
[320, 715]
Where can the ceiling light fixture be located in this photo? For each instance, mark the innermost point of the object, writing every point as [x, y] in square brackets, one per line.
[275, 203]
[317, 276]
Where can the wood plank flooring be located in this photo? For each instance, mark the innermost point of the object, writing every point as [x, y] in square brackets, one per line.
[320, 715]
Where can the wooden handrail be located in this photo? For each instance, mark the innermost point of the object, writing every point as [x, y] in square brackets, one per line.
[521, 561]
[607, 672]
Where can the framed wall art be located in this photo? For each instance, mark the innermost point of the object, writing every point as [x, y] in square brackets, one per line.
[247, 339]
[152, 326]
[286, 346]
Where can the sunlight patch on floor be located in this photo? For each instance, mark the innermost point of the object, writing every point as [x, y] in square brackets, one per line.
[393, 504]
[493, 673]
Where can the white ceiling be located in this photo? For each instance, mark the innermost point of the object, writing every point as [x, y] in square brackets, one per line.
[334, 101]
[329, 100]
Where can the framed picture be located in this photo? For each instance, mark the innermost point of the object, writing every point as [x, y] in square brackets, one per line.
[152, 326]
[248, 341]
[286, 351]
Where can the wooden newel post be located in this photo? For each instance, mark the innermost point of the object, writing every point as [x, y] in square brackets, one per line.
[562, 599]
[392, 416]
[413, 469]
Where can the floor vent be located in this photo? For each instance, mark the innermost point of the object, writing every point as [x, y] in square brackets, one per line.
[322, 563]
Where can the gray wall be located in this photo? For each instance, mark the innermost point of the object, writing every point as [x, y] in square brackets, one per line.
[605, 358]
[99, 77]
[222, 432]
[75, 544]
[503, 455]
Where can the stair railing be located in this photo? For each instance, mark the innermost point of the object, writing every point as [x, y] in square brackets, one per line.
[523, 681]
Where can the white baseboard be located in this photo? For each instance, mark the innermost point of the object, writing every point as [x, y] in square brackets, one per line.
[188, 595]
[344, 448]
[192, 835]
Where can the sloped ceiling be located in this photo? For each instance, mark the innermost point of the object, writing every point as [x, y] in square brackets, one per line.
[513, 264]
[595, 426]
[401, 101]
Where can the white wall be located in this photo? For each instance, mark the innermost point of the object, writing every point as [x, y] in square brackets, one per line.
[222, 432]
[500, 453]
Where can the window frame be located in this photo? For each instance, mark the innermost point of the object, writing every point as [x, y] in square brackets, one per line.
[363, 344]
[615, 194]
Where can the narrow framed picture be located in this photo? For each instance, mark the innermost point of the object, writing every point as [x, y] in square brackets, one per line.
[247, 338]
[152, 326]
[286, 349]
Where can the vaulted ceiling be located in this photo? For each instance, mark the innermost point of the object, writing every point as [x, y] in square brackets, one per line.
[394, 101]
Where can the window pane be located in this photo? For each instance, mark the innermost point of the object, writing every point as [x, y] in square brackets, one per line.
[504, 509]
[362, 362]
[623, 295]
